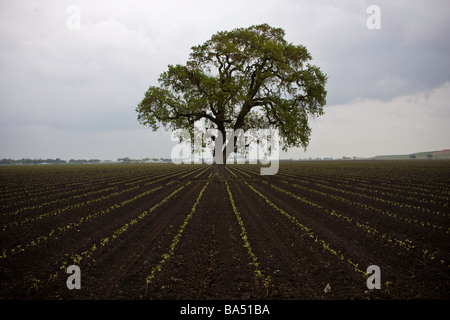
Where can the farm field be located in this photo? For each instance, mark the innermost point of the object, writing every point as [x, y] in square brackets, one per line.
[164, 231]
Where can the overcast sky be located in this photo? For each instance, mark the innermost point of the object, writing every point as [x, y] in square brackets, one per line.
[70, 90]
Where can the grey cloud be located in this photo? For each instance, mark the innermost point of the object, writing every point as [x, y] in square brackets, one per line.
[89, 80]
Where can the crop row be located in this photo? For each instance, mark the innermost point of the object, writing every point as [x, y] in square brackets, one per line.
[339, 253]
[407, 186]
[175, 240]
[68, 178]
[345, 202]
[369, 207]
[89, 217]
[364, 226]
[78, 257]
[403, 243]
[254, 260]
[61, 197]
[391, 190]
[391, 202]
[21, 221]
[76, 224]
[308, 231]
[82, 189]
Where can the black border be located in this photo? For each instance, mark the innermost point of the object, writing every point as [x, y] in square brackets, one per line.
[170, 309]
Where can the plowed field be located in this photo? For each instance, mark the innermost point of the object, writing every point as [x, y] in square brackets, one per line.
[159, 231]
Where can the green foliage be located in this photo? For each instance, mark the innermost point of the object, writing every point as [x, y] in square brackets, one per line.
[247, 78]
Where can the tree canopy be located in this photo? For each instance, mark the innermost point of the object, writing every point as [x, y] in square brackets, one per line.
[247, 78]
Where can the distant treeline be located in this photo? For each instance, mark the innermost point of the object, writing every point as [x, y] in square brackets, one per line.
[47, 161]
[82, 161]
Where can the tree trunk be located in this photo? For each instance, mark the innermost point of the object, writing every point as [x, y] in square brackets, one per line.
[218, 170]
[219, 157]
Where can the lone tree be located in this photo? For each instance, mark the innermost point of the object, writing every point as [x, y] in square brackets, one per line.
[247, 78]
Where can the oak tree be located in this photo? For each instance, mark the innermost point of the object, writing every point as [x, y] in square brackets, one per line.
[247, 78]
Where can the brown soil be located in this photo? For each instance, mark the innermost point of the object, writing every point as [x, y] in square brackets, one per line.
[210, 261]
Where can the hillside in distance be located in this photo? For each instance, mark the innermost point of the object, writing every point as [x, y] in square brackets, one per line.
[442, 154]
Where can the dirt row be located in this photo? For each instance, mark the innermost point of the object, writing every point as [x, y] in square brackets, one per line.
[211, 260]
[37, 263]
[411, 272]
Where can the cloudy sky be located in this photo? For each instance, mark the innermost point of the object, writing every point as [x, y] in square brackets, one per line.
[72, 72]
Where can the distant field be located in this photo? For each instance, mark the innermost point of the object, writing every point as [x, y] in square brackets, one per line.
[162, 231]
